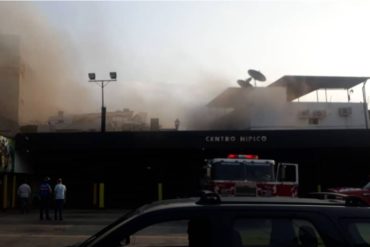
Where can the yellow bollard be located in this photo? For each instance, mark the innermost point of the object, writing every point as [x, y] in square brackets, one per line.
[160, 192]
[14, 191]
[5, 191]
[95, 194]
[101, 195]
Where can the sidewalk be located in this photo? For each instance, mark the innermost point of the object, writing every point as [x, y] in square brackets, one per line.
[71, 216]
[77, 224]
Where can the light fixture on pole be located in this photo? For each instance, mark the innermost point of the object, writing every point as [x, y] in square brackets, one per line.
[366, 115]
[102, 84]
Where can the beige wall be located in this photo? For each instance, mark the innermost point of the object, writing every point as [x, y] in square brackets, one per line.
[9, 82]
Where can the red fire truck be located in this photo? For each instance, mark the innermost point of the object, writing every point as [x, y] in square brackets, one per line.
[246, 175]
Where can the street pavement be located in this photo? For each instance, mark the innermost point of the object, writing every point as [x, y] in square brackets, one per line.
[27, 230]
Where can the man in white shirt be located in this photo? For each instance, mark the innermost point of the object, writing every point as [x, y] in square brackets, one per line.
[24, 194]
[60, 194]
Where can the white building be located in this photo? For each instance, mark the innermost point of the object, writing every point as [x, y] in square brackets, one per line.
[273, 107]
[125, 120]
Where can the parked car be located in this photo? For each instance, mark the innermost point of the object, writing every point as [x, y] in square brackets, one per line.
[362, 195]
[239, 221]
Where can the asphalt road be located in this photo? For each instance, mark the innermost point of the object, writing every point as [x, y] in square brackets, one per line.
[27, 230]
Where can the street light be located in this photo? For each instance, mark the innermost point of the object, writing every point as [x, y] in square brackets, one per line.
[92, 76]
[102, 84]
[113, 75]
[366, 116]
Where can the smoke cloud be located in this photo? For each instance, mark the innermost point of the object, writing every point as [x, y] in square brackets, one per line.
[46, 64]
[54, 67]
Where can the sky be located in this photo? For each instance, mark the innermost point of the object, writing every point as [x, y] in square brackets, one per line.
[173, 57]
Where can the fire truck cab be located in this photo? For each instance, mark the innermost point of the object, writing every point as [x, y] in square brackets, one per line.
[246, 175]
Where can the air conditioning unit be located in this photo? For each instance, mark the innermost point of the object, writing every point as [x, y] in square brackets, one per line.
[345, 111]
[318, 114]
[304, 114]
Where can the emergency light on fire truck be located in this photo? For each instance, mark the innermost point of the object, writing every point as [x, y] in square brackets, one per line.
[242, 156]
[247, 175]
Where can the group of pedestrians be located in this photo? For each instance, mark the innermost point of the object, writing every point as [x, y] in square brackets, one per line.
[46, 193]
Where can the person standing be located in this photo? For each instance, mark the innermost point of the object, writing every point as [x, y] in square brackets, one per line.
[60, 195]
[24, 194]
[45, 194]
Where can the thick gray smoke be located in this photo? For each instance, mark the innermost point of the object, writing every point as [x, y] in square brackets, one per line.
[47, 64]
[54, 71]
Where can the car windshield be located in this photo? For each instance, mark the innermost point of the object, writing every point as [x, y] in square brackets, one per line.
[241, 171]
[228, 171]
[259, 172]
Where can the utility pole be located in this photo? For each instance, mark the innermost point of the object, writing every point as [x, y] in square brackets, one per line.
[366, 115]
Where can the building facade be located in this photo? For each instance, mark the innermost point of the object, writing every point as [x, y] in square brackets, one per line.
[276, 107]
[9, 84]
[125, 120]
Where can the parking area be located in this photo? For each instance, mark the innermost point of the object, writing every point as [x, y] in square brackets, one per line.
[27, 230]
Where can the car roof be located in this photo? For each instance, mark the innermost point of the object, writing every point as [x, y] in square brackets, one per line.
[211, 201]
[279, 200]
[214, 199]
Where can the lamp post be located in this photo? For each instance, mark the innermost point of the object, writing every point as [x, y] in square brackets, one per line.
[102, 84]
[365, 106]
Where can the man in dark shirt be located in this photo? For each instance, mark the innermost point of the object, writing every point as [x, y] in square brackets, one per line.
[45, 195]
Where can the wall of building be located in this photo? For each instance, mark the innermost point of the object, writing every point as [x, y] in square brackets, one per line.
[308, 115]
[267, 108]
[263, 96]
[115, 121]
[9, 83]
[132, 164]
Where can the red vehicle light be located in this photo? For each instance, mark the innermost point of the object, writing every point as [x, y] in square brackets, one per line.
[242, 156]
[251, 156]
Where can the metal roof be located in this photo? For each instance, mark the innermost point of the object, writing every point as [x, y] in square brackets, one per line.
[298, 86]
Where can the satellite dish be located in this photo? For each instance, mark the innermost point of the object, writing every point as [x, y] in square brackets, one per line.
[245, 83]
[256, 75]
